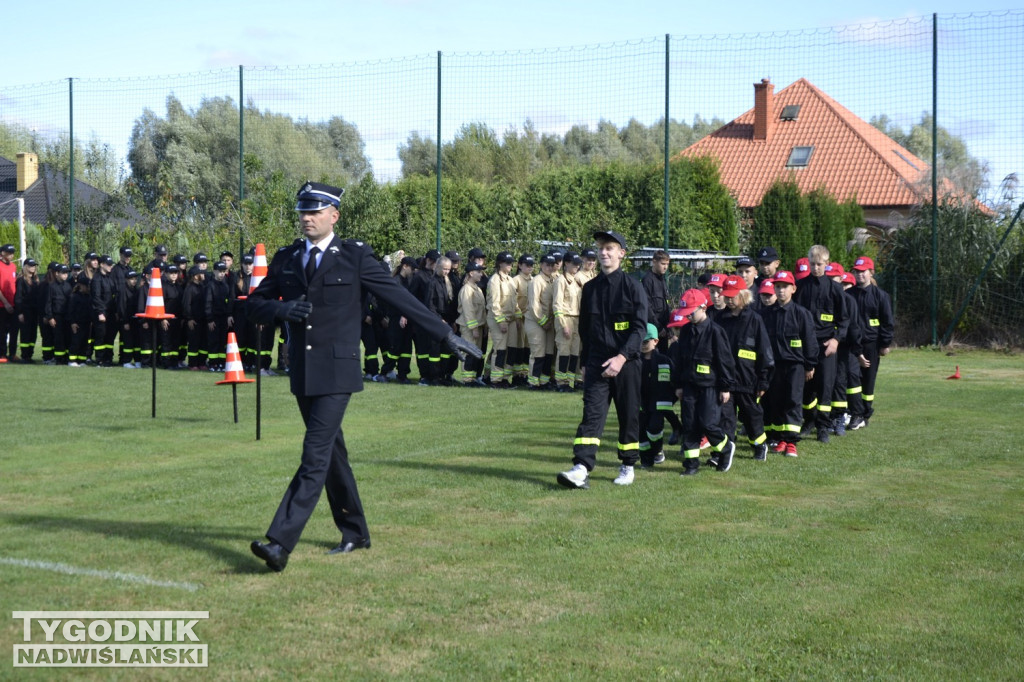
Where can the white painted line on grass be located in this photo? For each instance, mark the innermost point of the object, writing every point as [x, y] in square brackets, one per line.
[93, 573]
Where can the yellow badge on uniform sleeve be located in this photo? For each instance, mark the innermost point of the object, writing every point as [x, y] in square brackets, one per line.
[621, 326]
[873, 322]
[826, 317]
[747, 354]
[796, 343]
[703, 369]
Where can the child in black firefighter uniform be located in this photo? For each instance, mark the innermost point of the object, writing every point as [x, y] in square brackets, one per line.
[656, 399]
[703, 374]
[79, 319]
[612, 324]
[791, 330]
[755, 363]
[218, 316]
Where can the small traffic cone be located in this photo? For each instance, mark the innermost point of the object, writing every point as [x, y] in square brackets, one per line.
[259, 267]
[233, 371]
[956, 374]
[155, 300]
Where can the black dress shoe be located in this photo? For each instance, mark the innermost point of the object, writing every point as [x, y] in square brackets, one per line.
[351, 546]
[274, 554]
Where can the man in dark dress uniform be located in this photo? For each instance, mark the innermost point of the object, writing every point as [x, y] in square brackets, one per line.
[320, 281]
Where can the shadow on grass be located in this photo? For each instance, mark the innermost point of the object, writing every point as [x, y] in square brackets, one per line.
[543, 481]
[219, 543]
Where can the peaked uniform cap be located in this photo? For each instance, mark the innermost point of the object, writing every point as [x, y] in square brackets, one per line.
[316, 196]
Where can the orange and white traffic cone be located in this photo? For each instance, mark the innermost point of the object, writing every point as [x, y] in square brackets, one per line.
[155, 300]
[259, 267]
[956, 374]
[233, 371]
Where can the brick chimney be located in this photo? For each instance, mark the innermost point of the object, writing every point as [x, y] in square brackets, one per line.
[27, 166]
[764, 106]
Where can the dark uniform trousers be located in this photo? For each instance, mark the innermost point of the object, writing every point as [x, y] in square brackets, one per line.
[324, 467]
[750, 413]
[701, 415]
[782, 412]
[862, 396]
[817, 397]
[598, 393]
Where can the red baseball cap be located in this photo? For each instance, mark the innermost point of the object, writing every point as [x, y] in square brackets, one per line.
[733, 286]
[848, 278]
[677, 319]
[803, 268]
[767, 287]
[863, 263]
[834, 270]
[718, 280]
[784, 277]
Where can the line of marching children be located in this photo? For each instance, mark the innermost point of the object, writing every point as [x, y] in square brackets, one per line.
[786, 355]
[81, 311]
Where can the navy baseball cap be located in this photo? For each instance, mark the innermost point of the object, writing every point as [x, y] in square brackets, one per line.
[316, 196]
[610, 235]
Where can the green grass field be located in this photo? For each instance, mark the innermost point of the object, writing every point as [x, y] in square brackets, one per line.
[896, 552]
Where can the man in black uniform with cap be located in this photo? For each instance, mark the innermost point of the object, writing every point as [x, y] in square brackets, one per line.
[320, 281]
[612, 324]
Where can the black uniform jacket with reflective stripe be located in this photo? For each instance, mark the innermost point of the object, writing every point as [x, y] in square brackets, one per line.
[323, 351]
[751, 349]
[613, 318]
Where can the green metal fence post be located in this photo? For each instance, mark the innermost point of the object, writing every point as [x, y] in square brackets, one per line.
[935, 179]
[665, 207]
[241, 159]
[438, 166]
[71, 167]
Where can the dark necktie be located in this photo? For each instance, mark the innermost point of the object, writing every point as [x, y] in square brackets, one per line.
[311, 264]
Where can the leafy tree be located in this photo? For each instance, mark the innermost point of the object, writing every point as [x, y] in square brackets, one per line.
[418, 156]
[186, 163]
[955, 162]
[783, 218]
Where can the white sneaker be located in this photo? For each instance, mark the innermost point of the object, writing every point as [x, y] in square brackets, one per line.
[392, 375]
[138, 365]
[625, 476]
[73, 364]
[129, 365]
[660, 457]
[574, 478]
[268, 373]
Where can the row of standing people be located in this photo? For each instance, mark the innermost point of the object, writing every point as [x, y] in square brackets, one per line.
[78, 313]
[528, 318]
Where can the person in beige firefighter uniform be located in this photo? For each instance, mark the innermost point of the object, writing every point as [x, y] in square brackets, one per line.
[518, 349]
[471, 321]
[565, 306]
[501, 311]
[540, 331]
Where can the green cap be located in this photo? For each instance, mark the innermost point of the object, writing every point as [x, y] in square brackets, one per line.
[652, 332]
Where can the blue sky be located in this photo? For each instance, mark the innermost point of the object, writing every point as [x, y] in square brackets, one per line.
[104, 39]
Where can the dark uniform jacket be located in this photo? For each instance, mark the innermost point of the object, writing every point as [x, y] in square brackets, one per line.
[613, 318]
[27, 298]
[323, 350]
[791, 330]
[438, 302]
[751, 348]
[118, 275]
[193, 302]
[101, 291]
[875, 310]
[218, 298]
[657, 299]
[58, 295]
[825, 300]
[702, 357]
[656, 390]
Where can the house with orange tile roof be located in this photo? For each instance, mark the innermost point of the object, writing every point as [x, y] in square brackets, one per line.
[803, 134]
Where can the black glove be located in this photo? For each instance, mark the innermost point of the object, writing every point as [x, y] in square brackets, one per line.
[295, 311]
[461, 347]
